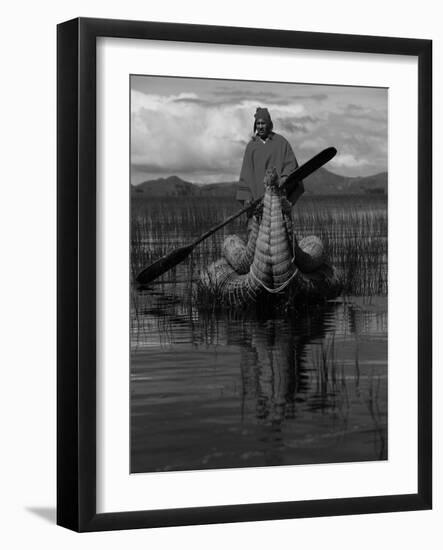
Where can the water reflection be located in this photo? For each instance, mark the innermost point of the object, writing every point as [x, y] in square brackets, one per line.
[273, 365]
[227, 390]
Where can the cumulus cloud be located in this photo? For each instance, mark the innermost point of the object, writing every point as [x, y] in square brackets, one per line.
[310, 97]
[183, 133]
[352, 107]
[348, 161]
[198, 128]
[298, 125]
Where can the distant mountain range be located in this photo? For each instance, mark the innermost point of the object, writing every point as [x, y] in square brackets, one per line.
[321, 182]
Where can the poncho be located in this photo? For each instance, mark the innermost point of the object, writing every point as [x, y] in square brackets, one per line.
[261, 155]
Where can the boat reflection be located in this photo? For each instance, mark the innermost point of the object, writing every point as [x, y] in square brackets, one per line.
[310, 387]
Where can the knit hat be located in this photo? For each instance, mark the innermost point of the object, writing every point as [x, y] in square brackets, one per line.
[263, 113]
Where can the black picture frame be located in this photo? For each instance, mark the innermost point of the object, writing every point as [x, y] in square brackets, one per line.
[77, 249]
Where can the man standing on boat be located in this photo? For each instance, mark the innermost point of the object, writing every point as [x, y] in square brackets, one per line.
[265, 150]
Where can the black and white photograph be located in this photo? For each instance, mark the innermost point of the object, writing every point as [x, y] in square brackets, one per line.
[259, 274]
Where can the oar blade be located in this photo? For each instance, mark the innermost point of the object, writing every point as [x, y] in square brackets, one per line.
[163, 265]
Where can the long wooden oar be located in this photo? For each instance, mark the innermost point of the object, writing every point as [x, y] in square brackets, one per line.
[176, 256]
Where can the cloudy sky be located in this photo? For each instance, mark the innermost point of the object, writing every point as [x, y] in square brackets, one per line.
[198, 129]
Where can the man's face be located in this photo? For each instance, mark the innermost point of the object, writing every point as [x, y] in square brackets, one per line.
[262, 128]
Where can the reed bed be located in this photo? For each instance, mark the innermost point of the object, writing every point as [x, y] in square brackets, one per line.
[331, 391]
[352, 228]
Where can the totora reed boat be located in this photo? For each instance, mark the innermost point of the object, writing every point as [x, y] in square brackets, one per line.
[272, 266]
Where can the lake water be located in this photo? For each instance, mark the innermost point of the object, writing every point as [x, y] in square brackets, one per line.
[222, 391]
[229, 389]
